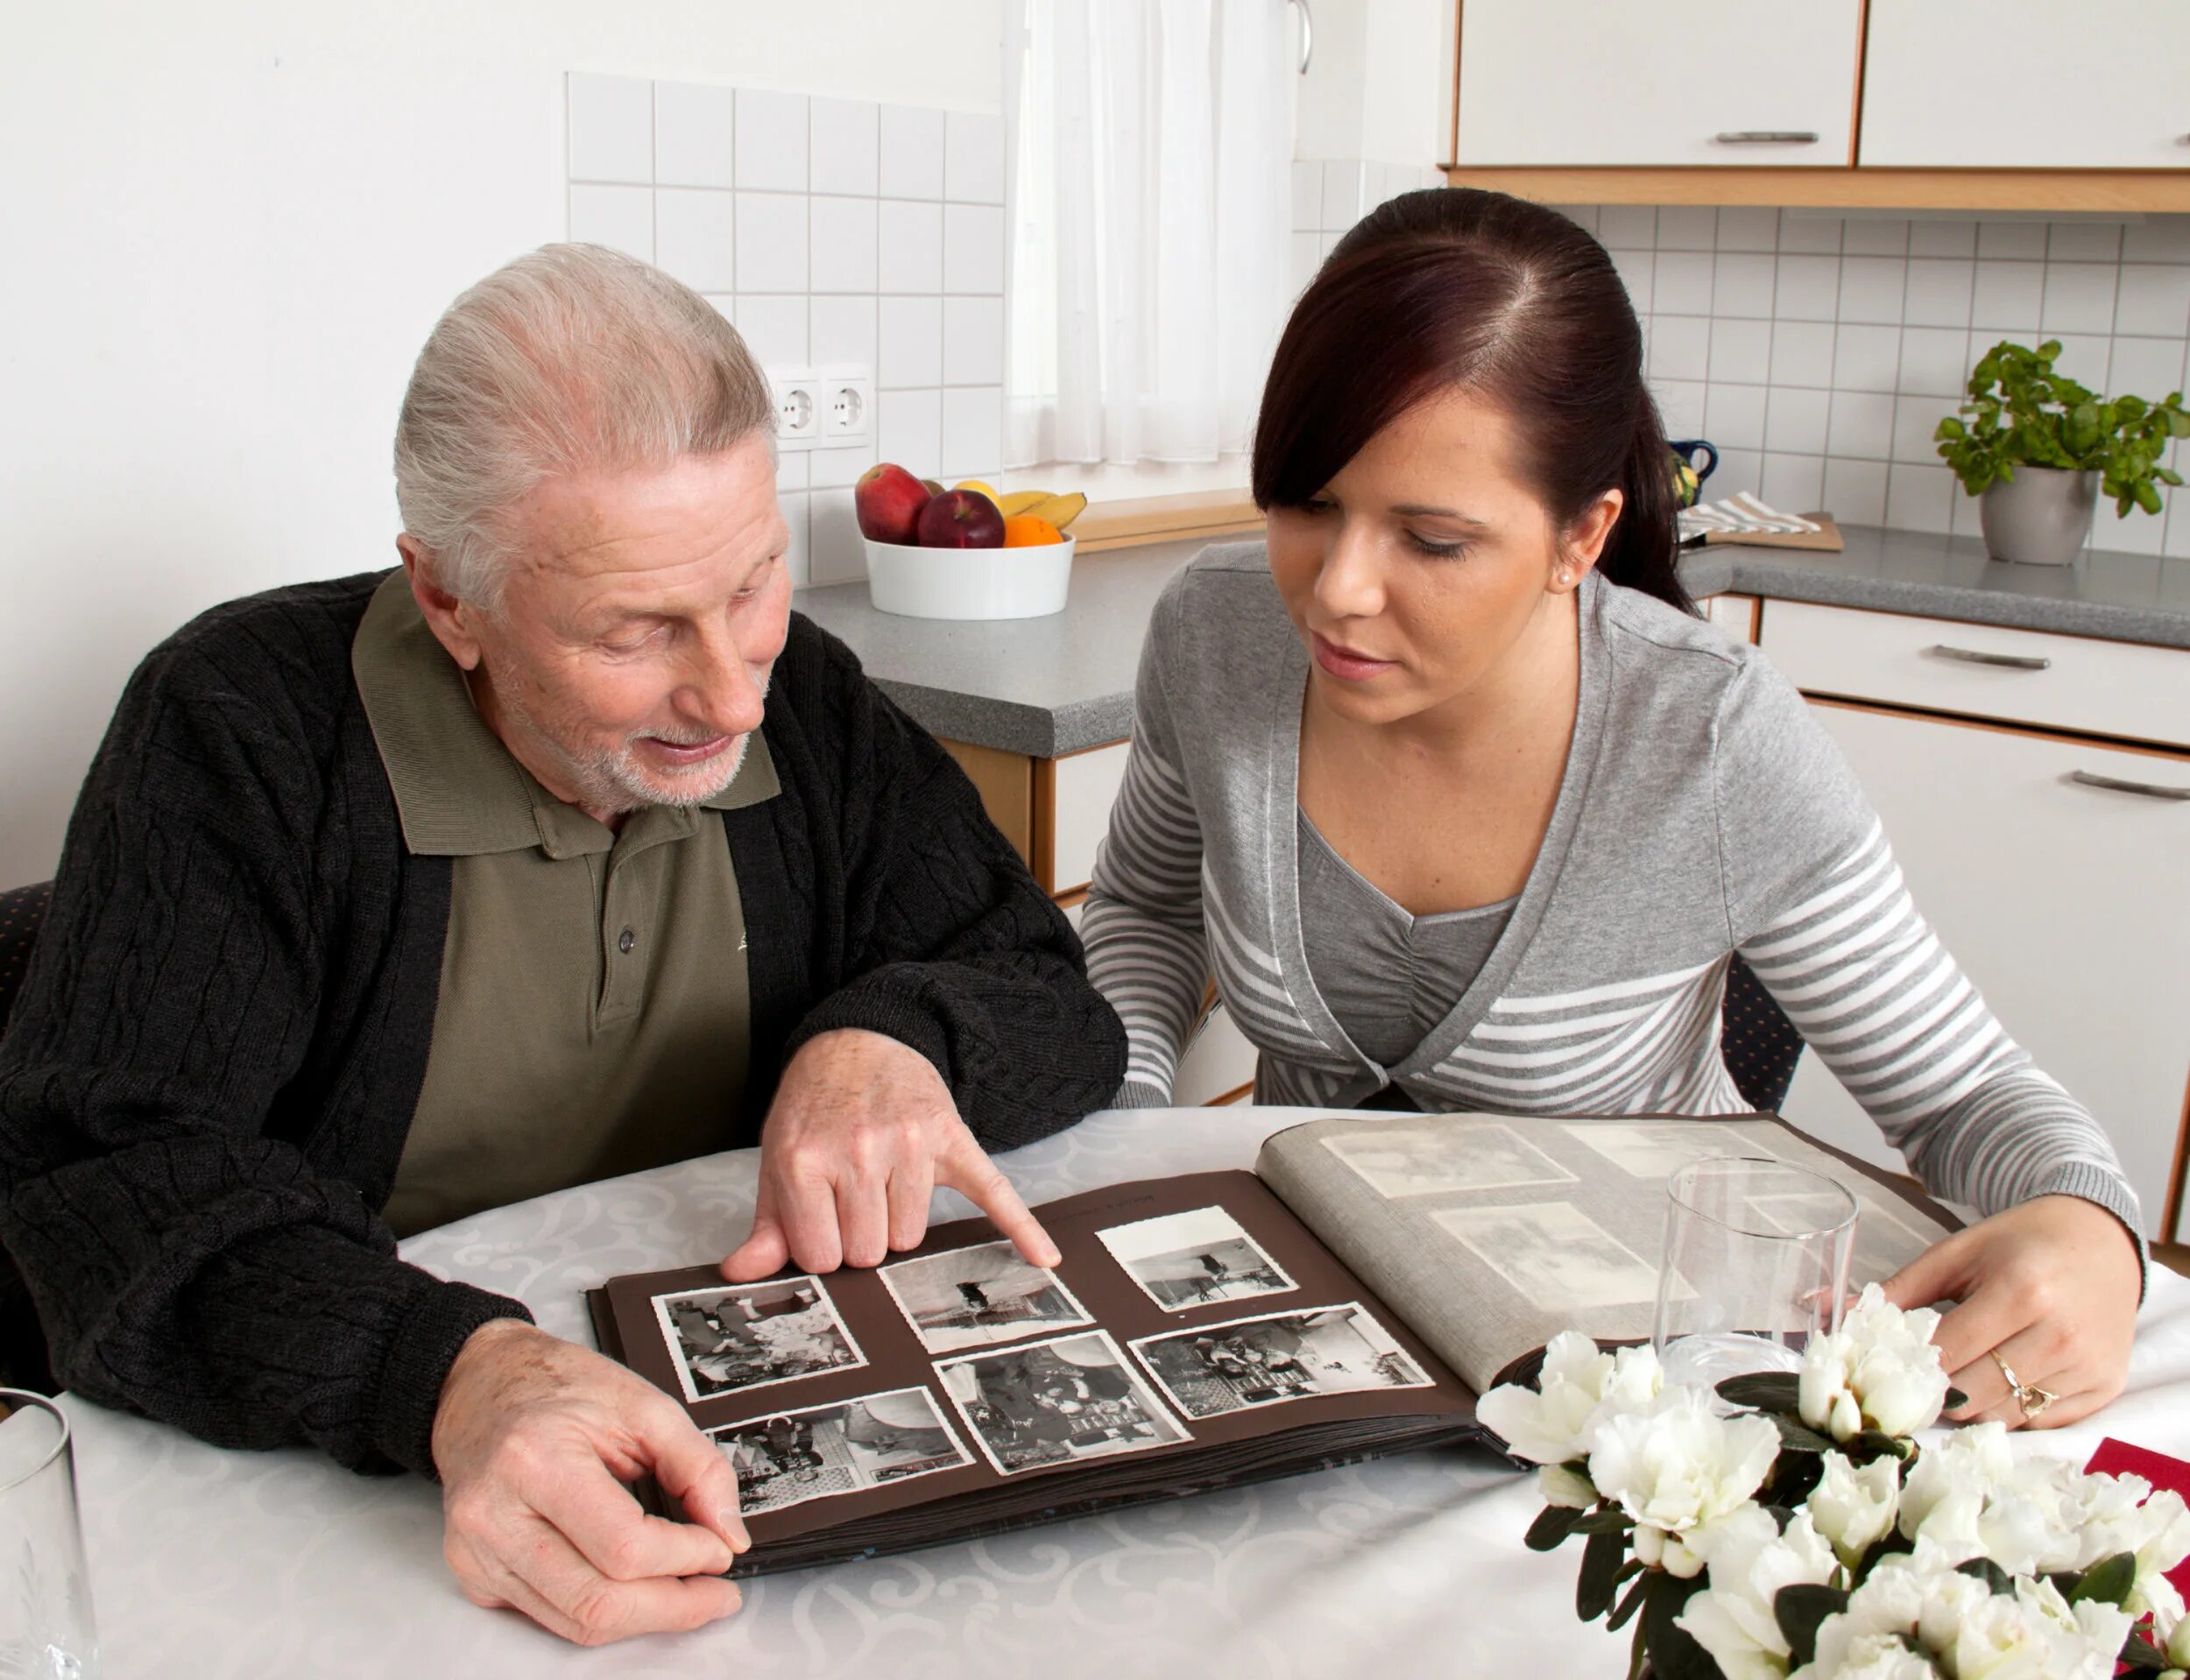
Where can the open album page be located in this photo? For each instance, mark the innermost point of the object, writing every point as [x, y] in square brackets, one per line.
[1491, 1234]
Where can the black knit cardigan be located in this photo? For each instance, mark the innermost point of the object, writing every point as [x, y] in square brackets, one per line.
[208, 1078]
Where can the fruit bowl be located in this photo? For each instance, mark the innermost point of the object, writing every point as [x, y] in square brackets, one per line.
[1022, 582]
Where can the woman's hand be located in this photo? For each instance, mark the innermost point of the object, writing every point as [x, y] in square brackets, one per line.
[2052, 1288]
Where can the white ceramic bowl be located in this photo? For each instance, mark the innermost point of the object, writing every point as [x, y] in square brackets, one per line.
[969, 583]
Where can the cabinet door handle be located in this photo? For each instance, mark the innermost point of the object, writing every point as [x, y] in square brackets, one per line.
[2012, 661]
[2149, 789]
[1766, 137]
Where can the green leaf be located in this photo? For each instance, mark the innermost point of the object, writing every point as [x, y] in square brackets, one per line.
[1955, 1399]
[1951, 427]
[1551, 1527]
[1627, 1607]
[1600, 1567]
[2108, 1581]
[1991, 1574]
[1799, 1437]
[1877, 1443]
[2147, 494]
[2167, 474]
[1766, 1390]
[2139, 1652]
[1605, 1519]
[1674, 1653]
[1800, 1611]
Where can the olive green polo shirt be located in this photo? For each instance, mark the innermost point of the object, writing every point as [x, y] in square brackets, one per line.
[593, 1012]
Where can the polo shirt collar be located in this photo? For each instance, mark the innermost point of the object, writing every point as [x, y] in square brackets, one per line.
[459, 791]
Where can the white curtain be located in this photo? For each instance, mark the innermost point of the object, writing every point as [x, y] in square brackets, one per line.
[1150, 143]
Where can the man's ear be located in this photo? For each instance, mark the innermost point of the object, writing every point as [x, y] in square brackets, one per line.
[1585, 540]
[450, 620]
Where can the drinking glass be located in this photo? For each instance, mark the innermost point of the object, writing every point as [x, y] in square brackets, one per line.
[1756, 1255]
[46, 1626]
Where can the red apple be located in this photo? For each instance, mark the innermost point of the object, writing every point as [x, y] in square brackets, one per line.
[888, 500]
[961, 518]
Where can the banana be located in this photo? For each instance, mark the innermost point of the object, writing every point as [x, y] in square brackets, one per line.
[1021, 501]
[1060, 510]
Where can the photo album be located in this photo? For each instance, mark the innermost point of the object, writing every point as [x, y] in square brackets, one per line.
[1348, 1298]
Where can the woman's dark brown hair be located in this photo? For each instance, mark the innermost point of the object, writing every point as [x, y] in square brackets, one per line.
[1452, 287]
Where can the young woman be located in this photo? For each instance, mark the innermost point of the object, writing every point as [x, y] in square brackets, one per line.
[1464, 808]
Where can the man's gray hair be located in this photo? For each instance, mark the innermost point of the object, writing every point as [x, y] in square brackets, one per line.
[572, 359]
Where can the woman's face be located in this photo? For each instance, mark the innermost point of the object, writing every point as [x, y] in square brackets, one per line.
[1425, 563]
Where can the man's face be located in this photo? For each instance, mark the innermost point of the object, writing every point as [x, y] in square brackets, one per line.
[642, 615]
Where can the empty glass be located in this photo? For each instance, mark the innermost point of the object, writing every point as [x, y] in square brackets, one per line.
[46, 1626]
[1756, 1255]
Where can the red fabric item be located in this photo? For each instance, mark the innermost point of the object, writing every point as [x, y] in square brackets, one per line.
[2119, 1458]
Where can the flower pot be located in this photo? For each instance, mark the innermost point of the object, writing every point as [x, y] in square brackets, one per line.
[2041, 517]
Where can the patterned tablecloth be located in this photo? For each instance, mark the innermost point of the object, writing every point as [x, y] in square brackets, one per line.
[207, 1563]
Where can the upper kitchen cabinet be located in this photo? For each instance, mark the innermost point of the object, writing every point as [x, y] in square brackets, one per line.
[2027, 84]
[1713, 82]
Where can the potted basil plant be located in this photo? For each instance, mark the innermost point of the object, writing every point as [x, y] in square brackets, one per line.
[2037, 449]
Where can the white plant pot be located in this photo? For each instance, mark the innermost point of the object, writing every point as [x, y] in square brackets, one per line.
[1028, 583]
[2041, 517]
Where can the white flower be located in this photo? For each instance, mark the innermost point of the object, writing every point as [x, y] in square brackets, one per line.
[1877, 1657]
[1854, 1508]
[1878, 1370]
[1974, 1461]
[1681, 1467]
[1581, 1386]
[2179, 1644]
[1968, 1631]
[1565, 1488]
[2121, 1514]
[1733, 1618]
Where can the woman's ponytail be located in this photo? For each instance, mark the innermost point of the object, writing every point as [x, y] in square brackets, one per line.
[1644, 544]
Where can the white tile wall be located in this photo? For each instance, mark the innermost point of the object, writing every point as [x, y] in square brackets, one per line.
[1828, 348]
[827, 230]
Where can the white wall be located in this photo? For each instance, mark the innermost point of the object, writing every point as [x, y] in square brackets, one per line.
[229, 228]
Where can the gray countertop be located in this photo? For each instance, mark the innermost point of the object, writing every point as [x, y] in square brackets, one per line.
[1047, 686]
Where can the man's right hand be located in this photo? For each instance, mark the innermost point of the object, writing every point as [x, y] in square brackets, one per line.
[534, 1438]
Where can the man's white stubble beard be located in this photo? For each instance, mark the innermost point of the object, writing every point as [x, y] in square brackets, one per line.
[611, 780]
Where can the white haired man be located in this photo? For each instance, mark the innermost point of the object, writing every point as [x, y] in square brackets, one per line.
[565, 850]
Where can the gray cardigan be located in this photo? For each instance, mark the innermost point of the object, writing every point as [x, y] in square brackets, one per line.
[1703, 811]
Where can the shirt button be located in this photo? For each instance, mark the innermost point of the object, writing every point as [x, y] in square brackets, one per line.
[625, 940]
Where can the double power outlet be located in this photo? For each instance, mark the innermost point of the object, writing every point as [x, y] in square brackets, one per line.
[823, 407]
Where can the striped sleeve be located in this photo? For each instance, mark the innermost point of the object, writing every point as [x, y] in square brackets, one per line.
[1148, 946]
[1818, 909]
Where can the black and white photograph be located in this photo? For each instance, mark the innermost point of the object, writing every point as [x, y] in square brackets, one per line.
[1057, 1402]
[749, 1335]
[1660, 1148]
[791, 1457]
[1883, 1243]
[979, 1296]
[1394, 1163]
[1280, 1356]
[1191, 1259]
[1558, 1258]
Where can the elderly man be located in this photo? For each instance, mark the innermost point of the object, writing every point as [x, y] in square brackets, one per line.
[566, 850]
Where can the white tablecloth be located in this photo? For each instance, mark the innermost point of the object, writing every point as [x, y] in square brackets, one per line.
[207, 1563]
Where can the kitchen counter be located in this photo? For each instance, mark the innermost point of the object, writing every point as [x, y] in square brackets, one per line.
[1048, 686]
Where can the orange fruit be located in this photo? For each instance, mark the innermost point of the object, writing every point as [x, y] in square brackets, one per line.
[1028, 531]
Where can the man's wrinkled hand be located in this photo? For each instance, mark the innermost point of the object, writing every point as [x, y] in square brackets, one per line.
[862, 1131]
[534, 1438]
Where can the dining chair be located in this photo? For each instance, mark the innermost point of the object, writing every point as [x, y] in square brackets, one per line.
[1759, 1045]
[22, 1361]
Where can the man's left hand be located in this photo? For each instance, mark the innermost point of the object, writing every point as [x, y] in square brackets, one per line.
[861, 1131]
[2051, 1286]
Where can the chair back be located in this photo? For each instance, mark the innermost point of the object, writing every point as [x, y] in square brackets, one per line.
[1757, 1041]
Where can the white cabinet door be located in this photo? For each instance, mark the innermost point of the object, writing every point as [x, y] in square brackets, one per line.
[2027, 84]
[1087, 786]
[2068, 905]
[1712, 81]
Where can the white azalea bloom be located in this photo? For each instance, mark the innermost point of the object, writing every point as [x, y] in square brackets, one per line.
[1873, 1656]
[2123, 1513]
[1581, 1385]
[1854, 1508]
[1565, 1488]
[1974, 1461]
[2179, 1644]
[1733, 1618]
[1681, 1466]
[1878, 1370]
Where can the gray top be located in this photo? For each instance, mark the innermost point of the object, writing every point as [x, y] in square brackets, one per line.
[1056, 685]
[1703, 810]
[1387, 976]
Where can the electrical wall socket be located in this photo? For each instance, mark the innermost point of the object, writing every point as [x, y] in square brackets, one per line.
[845, 391]
[798, 406]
